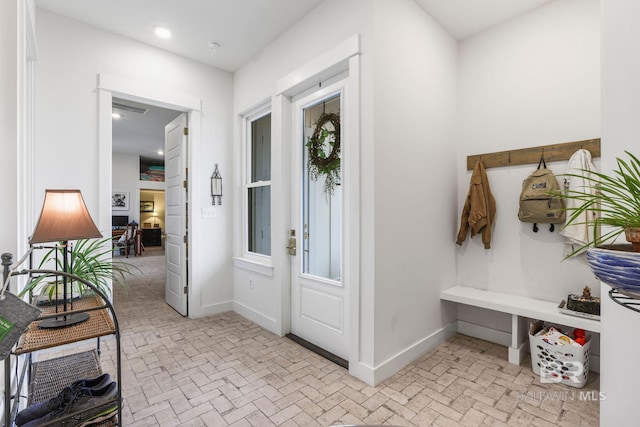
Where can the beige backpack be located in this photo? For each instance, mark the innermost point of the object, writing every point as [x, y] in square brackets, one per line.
[537, 203]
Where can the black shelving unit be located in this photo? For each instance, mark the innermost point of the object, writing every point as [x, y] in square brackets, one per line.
[151, 237]
[102, 322]
[626, 300]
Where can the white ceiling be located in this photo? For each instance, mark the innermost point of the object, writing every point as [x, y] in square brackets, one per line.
[243, 28]
[465, 18]
[146, 129]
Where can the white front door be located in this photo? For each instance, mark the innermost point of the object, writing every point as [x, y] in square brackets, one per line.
[318, 290]
[176, 250]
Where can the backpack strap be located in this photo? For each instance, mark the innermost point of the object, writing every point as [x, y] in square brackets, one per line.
[535, 228]
[542, 162]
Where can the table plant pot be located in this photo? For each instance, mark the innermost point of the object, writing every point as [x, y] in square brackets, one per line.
[615, 205]
[615, 208]
[618, 266]
[89, 259]
[632, 234]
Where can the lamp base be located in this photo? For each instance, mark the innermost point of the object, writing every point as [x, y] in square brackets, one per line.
[63, 321]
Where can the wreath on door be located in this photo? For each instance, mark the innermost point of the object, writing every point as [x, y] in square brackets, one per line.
[324, 151]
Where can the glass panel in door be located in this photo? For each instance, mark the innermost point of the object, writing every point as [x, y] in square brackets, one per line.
[321, 191]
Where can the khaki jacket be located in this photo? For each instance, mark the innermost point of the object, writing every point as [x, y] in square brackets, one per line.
[479, 209]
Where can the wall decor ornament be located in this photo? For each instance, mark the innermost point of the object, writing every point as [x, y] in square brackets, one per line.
[324, 151]
[216, 186]
[146, 206]
[120, 201]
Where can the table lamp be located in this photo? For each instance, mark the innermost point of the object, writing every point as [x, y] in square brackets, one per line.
[64, 217]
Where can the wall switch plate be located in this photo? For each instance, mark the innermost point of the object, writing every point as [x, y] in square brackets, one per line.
[209, 212]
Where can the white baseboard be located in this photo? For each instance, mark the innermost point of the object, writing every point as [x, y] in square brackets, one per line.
[504, 338]
[375, 375]
[484, 333]
[266, 322]
[210, 310]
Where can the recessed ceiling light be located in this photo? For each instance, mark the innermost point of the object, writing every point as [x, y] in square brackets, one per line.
[160, 153]
[162, 32]
[115, 115]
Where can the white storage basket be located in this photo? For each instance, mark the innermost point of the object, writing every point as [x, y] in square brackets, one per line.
[558, 362]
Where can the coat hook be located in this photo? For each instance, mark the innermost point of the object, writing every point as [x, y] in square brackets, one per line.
[542, 162]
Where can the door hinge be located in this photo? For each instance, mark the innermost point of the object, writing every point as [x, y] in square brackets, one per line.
[185, 131]
[184, 239]
[185, 184]
[185, 289]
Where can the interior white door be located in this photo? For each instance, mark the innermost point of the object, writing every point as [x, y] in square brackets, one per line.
[318, 291]
[176, 250]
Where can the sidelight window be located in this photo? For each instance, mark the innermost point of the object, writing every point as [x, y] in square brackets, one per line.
[258, 185]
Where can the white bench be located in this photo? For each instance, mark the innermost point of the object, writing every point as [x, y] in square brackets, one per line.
[521, 309]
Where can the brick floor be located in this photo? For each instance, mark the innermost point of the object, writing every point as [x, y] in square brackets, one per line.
[225, 370]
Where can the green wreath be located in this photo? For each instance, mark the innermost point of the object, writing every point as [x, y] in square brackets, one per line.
[320, 161]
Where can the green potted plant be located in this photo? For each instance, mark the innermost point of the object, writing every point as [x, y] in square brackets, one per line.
[616, 203]
[88, 259]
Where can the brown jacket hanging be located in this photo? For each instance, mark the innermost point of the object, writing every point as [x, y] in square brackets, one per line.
[479, 209]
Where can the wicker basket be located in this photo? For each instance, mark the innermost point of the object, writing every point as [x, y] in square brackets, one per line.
[49, 377]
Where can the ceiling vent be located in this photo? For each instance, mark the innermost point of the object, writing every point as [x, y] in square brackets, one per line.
[130, 108]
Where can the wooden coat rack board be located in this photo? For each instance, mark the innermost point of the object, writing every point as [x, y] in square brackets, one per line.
[525, 156]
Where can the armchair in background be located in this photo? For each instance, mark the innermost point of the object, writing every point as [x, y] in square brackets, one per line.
[126, 241]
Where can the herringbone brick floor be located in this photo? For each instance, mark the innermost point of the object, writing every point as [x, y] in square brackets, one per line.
[224, 370]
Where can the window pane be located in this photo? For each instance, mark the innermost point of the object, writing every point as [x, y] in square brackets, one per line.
[260, 220]
[259, 196]
[261, 149]
[321, 195]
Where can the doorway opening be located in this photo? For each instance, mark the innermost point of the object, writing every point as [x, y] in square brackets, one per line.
[152, 220]
[137, 158]
[319, 291]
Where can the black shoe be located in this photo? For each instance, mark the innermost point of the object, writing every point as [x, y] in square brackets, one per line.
[41, 409]
[89, 406]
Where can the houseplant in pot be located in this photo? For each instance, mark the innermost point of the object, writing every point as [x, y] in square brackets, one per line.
[614, 209]
[90, 260]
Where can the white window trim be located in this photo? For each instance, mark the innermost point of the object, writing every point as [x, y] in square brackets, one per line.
[254, 260]
[264, 268]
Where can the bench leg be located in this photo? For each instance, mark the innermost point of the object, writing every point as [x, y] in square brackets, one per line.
[519, 336]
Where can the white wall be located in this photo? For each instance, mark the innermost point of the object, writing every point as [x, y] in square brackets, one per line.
[158, 199]
[414, 165]
[8, 134]
[125, 178]
[71, 57]
[253, 84]
[406, 139]
[620, 342]
[620, 131]
[9, 48]
[18, 51]
[532, 81]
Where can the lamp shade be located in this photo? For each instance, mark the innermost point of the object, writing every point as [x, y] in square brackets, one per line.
[64, 216]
